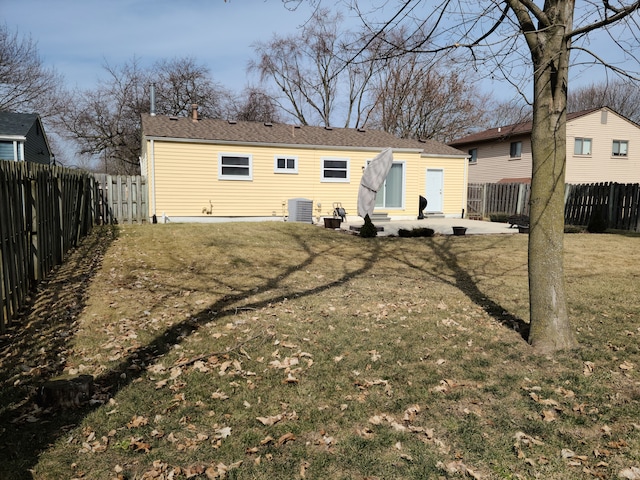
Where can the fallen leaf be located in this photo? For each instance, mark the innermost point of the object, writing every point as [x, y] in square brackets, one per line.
[303, 469]
[630, 473]
[588, 368]
[268, 421]
[287, 437]
[137, 421]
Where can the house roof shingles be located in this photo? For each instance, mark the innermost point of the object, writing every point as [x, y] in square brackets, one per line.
[239, 132]
[16, 124]
[501, 133]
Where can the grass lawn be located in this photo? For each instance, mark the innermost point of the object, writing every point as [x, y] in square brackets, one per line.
[288, 351]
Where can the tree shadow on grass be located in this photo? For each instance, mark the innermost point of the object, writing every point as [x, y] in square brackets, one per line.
[25, 433]
[463, 280]
[34, 349]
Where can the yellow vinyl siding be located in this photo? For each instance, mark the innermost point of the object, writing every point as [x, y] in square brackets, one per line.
[186, 182]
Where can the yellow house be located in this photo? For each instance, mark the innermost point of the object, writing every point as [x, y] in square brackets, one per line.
[214, 170]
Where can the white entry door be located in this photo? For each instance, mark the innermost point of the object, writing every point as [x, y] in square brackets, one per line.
[434, 186]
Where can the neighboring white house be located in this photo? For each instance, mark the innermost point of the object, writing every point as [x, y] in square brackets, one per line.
[602, 146]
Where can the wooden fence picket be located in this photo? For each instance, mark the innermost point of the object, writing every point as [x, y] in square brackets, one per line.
[618, 203]
[44, 212]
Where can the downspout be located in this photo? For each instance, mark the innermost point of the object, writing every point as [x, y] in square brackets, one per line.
[152, 175]
[465, 190]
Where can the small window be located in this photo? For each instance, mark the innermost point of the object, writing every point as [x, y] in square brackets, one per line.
[473, 155]
[234, 167]
[7, 151]
[335, 170]
[620, 148]
[285, 165]
[582, 146]
[516, 150]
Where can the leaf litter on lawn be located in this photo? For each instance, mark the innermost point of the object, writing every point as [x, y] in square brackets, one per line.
[285, 350]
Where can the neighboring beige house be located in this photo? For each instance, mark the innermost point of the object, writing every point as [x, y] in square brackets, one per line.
[602, 146]
[214, 170]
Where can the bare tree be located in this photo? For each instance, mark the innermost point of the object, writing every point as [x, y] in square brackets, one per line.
[254, 105]
[416, 96]
[104, 123]
[25, 84]
[622, 95]
[311, 74]
[517, 36]
[508, 112]
[181, 82]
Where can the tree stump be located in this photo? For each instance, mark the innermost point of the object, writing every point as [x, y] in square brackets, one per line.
[66, 393]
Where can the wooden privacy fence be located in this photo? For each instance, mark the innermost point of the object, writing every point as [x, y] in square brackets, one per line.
[45, 211]
[617, 203]
[120, 199]
[486, 199]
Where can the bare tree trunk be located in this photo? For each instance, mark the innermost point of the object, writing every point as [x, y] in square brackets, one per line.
[550, 328]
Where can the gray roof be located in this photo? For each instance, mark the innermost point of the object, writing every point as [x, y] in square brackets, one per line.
[16, 123]
[228, 131]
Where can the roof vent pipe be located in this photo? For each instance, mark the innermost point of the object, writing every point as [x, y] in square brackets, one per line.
[152, 108]
[194, 112]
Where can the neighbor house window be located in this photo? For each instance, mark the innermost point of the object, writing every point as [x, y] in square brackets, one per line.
[234, 167]
[286, 165]
[473, 155]
[335, 170]
[515, 151]
[582, 146]
[620, 148]
[6, 151]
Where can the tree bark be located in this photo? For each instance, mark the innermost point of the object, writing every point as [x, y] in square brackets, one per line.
[550, 328]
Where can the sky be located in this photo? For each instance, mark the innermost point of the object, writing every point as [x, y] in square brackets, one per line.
[77, 37]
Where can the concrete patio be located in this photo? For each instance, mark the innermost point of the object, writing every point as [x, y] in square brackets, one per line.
[441, 225]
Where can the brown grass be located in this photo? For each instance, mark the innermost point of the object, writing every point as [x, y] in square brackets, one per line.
[278, 350]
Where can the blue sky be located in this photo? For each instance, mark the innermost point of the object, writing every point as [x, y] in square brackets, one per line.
[78, 36]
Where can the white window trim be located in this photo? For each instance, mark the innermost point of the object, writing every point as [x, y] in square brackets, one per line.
[285, 170]
[335, 180]
[235, 177]
[619, 155]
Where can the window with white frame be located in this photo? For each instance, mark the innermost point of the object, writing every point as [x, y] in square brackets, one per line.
[620, 148]
[335, 170]
[391, 194]
[232, 166]
[284, 164]
[582, 146]
[473, 155]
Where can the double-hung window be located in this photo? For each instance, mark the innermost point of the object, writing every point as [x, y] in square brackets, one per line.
[515, 150]
[232, 166]
[335, 170]
[620, 148]
[582, 146]
[284, 164]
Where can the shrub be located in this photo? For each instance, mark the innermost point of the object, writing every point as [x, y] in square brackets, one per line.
[597, 222]
[499, 217]
[368, 230]
[416, 232]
